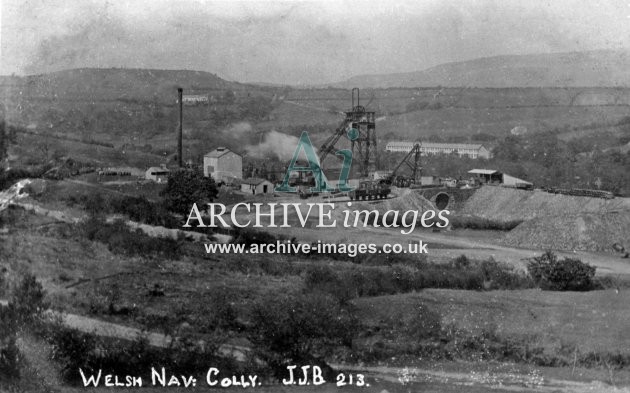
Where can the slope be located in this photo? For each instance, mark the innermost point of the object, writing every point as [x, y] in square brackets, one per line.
[591, 68]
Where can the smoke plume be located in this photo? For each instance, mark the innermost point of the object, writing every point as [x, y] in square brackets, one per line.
[274, 143]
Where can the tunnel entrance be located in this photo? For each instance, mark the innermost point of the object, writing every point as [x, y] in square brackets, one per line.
[441, 200]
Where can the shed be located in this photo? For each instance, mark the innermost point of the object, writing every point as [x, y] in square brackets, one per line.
[489, 176]
[255, 186]
[157, 174]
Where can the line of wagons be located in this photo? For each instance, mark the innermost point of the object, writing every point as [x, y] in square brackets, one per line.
[581, 192]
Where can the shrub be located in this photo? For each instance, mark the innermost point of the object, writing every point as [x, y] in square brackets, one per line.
[121, 240]
[294, 328]
[95, 204]
[460, 273]
[325, 279]
[23, 311]
[9, 354]
[142, 210]
[569, 274]
[250, 236]
[27, 300]
[499, 275]
[73, 349]
[461, 262]
[424, 323]
[224, 312]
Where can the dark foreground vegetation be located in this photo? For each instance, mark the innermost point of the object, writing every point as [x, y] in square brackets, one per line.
[311, 326]
[316, 321]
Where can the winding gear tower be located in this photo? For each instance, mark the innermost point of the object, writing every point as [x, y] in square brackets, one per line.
[364, 138]
[360, 128]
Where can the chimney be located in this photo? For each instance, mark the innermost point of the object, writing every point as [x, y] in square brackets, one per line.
[180, 160]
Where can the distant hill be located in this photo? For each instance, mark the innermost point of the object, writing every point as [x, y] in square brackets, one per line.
[115, 84]
[610, 68]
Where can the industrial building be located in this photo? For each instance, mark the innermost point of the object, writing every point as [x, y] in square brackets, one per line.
[195, 99]
[224, 165]
[462, 149]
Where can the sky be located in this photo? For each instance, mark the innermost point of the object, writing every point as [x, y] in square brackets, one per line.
[296, 42]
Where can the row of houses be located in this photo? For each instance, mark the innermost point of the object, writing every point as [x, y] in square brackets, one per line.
[471, 150]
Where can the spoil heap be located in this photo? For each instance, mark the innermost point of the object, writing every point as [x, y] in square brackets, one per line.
[583, 232]
[554, 221]
[506, 204]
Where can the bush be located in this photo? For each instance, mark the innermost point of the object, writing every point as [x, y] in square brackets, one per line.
[224, 312]
[138, 209]
[95, 204]
[9, 354]
[23, 311]
[296, 328]
[569, 274]
[121, 240]
[423, 324]
[27, 301]
[325, 279]
[73, 349]
[499, 275]
[460, 273]
[251, 236]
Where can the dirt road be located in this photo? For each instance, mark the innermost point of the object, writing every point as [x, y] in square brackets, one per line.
[447, 377]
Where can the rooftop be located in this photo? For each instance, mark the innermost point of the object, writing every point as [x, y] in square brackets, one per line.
[220, 151]
[483, 171]
[158, 169]
[425, 145]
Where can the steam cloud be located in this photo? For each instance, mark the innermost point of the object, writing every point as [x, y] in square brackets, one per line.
[274, 143]
[239, 130]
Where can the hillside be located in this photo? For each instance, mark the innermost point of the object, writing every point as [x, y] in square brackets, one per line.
[575, 69]
[128, 109]
[113, 84]
[135, 110]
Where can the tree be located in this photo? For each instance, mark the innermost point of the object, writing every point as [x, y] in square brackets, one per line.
[229, 97]
[4, 140]
[188, 186]
[509, 149]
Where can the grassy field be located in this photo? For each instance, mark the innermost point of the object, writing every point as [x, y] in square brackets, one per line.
[588, 322]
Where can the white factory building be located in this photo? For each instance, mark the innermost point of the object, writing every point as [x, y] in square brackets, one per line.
[195, 99]
[471, 150]
[223, 165]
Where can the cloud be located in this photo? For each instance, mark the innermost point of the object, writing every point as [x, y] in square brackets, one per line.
[296, 42]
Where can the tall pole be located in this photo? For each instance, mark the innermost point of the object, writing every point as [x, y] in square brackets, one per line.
[180, 160]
